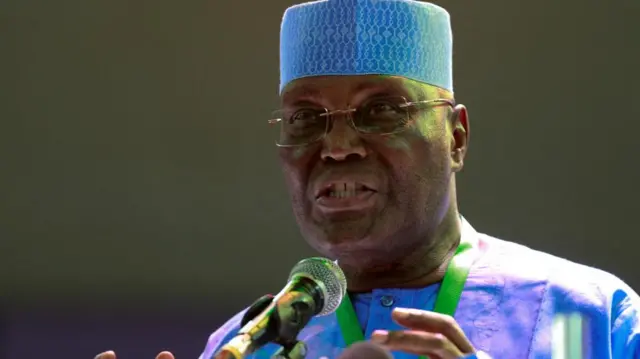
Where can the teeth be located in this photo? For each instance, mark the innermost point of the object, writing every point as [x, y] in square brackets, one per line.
[343, 194]
[344, 190]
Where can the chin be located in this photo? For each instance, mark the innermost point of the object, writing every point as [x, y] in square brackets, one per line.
[336, 243]
[332, 237]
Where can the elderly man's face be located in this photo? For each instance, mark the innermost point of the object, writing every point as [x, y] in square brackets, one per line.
[353, 193]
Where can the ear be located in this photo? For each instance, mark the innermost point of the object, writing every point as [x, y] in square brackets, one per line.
[459, 136]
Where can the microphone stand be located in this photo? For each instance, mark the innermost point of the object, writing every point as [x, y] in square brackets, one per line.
[288, 329]
[296, 349]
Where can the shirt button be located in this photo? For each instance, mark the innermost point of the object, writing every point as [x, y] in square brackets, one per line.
[386, 300]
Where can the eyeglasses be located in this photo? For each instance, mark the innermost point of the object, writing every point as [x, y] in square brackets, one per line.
[378, 116]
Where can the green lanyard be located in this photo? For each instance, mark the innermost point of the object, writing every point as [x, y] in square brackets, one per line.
[446, 301]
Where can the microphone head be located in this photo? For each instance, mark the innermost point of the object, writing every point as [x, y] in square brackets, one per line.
[365, 350]
[329, 278]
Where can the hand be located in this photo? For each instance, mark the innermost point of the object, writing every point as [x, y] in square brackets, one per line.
[432, 334]
[112, 355]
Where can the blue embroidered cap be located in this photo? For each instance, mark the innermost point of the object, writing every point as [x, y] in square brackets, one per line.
[406, 38]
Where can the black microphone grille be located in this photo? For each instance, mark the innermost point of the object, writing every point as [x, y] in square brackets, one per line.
[365, 350]
[328, 275]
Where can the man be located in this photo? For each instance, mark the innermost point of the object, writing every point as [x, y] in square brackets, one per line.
[370, 139]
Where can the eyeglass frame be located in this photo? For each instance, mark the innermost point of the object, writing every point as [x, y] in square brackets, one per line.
[352, 110]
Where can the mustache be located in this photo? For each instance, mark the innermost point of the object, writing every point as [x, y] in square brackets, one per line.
[326, 172]
[367, 174]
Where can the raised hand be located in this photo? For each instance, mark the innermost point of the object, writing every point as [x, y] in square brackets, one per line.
[112, 355]
[428, 333]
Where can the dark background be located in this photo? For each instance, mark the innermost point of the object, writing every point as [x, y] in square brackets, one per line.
[141, 203]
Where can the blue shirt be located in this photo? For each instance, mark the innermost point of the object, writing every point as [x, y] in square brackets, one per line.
[516, 303]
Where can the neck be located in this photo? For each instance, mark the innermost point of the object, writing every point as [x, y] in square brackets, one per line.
[423, 266]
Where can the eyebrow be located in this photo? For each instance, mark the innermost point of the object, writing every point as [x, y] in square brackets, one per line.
[302, 92]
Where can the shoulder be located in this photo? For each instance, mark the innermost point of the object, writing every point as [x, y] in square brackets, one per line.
[577, 282]
[565, 287]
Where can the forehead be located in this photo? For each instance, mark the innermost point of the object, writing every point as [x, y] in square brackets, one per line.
[327, 87]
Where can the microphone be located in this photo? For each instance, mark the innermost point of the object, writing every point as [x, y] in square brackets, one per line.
[316, 286]
[365, 350]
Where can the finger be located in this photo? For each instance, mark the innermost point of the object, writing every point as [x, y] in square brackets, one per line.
[106, 355]
[426, 321]
[165, 355]
[417, 342]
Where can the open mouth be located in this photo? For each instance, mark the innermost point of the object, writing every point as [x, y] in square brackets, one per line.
[343, 190]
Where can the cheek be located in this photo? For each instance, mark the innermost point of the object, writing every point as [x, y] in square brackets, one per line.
[417, 163]
[400, 143]
[298, 155]
[413, 150]
[295, 163]
[430, 145]
[293, 178]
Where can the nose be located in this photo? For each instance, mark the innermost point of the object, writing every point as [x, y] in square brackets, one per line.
[342, 142]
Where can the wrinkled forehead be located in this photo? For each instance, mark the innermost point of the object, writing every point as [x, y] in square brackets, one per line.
[405, 38]
[349, 88]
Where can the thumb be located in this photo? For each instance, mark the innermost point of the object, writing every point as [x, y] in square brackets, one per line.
[163, 355]
[106, 355]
